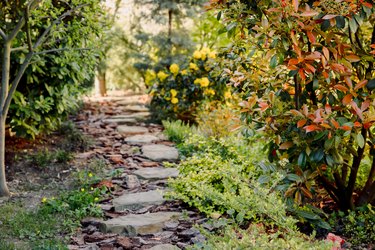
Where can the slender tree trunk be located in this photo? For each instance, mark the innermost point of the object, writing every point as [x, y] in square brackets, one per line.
[102, 83]
[3, 185]
[4, 93]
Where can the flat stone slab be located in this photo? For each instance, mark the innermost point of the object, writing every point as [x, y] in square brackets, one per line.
[158, 173]
[141, 139]
[131, 130]
[137, 115]
[136, 108]
[164, 247]
[121, 121]
[136, 201]
[159, 152]
[135, 224]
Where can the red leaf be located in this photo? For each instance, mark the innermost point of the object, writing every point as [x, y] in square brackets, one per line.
[310, 67]
[357, 124]
[365, 105]
[263, 106]
[348, 81]
[313, 56]
[302, 74]
[326, 53]
[346, 128]
[335, 123]
[293, 61]
[326, 17]
[311, 36]
[311, 128]
[295, 5]
[347, 99]
[356, 109]
[309, 13]
[352, 58]
[301, 123]
[368, 5]
[341, 88]
[337, 67]
[361, 84]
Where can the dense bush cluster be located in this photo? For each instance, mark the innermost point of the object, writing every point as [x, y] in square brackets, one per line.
[180, 91]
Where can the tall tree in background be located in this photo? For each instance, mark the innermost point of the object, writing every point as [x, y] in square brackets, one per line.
[20, 32]
[107, 43]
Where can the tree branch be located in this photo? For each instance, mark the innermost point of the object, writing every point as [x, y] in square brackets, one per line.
[2, 34]
[15, 83]
[355, 166]
[332, 190]
[18, 48]
[29, 42]
[62, 49]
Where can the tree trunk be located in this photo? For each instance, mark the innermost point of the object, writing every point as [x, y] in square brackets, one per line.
[4, 93]
[3, 185]
[102, 84]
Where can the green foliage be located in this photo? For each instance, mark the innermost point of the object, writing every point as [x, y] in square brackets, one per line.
[259, 237]
[37, 228]
[63, 65]
[177, 131]
[44, 158]
[180, 90]
[358, 226]
[74, 139]
[76, 204]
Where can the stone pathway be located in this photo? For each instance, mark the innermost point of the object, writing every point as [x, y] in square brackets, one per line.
[137, 216]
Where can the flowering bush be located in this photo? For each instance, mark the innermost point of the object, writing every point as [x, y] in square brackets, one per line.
[180, 90]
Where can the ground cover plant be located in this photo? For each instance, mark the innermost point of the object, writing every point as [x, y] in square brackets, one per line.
[222, 178]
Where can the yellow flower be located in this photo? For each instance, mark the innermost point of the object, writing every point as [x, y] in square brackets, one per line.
[204, 82]
[82, 190]
[174, 68]
[44, 200]
[162, 76]
[96, 199]
[173, 92]
[212, 55]
[184, 72]
[205, 50]
[193, 66]
[150, 75]
[197, 81]
[174, 100]
[91, 188]
[90, 175]
[204, 56]
[209, 92]
[227, 95]
[197, 55]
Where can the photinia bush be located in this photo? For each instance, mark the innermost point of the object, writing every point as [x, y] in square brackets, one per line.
[306, 69]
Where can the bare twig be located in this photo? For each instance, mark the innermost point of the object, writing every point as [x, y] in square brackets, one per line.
[19, 48]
